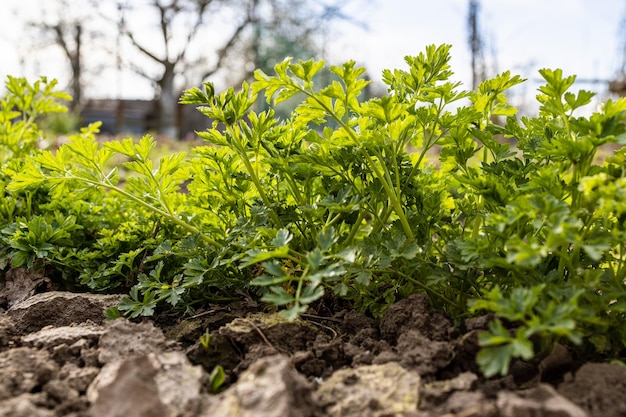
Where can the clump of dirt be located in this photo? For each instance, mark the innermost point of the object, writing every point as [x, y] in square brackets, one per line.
[594, 387]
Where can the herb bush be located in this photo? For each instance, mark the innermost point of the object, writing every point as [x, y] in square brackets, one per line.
[517, 218]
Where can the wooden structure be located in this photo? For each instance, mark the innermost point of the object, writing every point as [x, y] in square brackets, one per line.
[138, 117]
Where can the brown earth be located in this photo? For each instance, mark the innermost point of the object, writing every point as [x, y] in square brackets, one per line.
[58, 357]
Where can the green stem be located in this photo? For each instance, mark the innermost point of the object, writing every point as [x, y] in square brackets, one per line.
[257, 183]
[423, 153]
[300, 199]
[354, 229]
[421, 285]
[478, 219]
[429, 143]
[381, 220]
[619, 273]
[331, 220]
[298, 293]
[395, 202]
[150, 207]
[563, 261]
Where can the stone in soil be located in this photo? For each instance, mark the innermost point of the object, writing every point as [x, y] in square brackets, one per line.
[157, 384]
[58, 308]
[270, 387]
[598, 388]
[371, 390]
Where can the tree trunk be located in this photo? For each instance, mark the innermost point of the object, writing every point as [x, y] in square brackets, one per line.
[76, 64]
[168, 101]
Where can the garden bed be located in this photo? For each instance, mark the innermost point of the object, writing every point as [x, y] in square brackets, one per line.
[60, 358]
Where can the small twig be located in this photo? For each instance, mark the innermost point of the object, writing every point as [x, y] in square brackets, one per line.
[260, 332]
[202, 314]
[470, 412]
[312, 316]
[333, 331]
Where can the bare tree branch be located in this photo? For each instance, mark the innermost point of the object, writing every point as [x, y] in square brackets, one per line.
[202, 7]
[178, 25]
[141, 48]
[222, 53]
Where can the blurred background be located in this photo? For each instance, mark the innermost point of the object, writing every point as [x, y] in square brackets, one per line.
[126, 62]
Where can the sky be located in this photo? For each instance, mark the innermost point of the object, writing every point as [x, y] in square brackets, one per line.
[582, 37]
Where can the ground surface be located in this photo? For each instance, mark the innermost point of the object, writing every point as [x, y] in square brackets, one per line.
[59, 358]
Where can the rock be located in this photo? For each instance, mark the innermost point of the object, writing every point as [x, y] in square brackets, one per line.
[78, 378]
[57, 308]
[24, 406]
[152, 385]
[367, 346]
[270, 387]
[261, 335]
[24, 370]
[328, 354]
[64, 397]
[372, 390]
[465, 348]
[60, 391]
[49, 337]
[21, 283]
[253, 354]
[478, 322]
[7, 332]
[462, 382]
[414, 313]
[598, 388]
[423, 355]
[456, 396]
[122, 338]
[468, 404]
[189, 330]
[355, 322]
[68, 344]
[540, 401]
[269, 329]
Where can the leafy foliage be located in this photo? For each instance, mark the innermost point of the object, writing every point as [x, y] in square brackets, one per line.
[518, 216]
[21, 108]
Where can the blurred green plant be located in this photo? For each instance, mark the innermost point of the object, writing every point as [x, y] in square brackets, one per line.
[62, 123]
[22, 107]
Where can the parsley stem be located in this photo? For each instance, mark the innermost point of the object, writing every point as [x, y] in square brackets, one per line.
[238, 146]
[381, 174]
[170, 216]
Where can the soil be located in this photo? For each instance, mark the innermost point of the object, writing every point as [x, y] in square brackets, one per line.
[57, 354]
